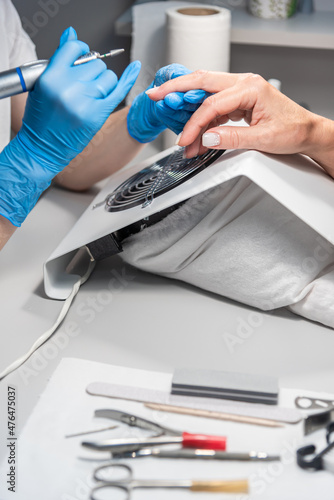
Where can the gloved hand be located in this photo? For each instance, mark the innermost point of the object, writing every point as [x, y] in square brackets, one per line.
[189, 101]
[66, 108]
[147, 119]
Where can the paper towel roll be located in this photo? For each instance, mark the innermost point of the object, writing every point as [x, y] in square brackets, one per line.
[149, 43]
[199, 37]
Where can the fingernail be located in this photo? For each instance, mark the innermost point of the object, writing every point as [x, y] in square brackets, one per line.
[149, 91]
[210, 139]
[178, 138]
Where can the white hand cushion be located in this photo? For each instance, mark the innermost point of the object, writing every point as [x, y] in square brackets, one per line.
[237, 241]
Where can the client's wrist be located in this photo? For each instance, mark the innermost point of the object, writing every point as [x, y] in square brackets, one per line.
[320, 142]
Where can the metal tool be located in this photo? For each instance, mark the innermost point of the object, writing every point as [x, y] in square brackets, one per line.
[188, 453]
[317, 420]
[164, 436]
[318, 461]
[90, 56]
[307, 403]
[187, 440]
[22, 79]
[76, 434]
[127, 483]
[135, 421]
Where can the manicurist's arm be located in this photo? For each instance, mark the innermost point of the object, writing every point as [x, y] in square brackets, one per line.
[7, 229]
[67, 107]
[110, 149]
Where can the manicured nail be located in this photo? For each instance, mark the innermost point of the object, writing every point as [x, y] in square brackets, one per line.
[210, 139]
[178, 138]
[149, 91]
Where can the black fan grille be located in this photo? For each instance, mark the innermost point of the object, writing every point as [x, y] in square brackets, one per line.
[157, 179]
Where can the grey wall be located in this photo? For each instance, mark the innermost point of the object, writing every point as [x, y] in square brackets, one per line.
[44, 21]
[307, 75]
[327, 5]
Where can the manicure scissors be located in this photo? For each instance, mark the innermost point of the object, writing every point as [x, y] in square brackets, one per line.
[122, 479]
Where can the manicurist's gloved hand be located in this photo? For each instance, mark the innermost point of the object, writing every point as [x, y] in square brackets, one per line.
[66, 108]
[147, 119]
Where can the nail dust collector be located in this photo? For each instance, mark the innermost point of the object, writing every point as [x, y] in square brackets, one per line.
[143, 194]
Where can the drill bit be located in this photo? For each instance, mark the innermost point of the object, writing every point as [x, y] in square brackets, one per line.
[90, 56]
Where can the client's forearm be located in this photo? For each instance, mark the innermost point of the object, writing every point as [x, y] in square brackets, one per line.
[110, 149]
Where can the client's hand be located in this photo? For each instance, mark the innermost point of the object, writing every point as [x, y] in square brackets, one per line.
[277, 124]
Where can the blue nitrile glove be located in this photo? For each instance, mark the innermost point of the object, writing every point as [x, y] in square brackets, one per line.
[66, 108]
[147, 119]
[189, 100]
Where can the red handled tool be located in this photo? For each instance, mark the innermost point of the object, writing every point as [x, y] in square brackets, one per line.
[164, 436]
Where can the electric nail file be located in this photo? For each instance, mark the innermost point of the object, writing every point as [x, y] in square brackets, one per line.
[22, 79]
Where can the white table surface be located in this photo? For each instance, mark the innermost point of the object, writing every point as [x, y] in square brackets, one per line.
[151, 323]
[65, 468]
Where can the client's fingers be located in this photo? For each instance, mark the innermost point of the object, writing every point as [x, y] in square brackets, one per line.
[206, 80]
[196, 147]
[217, 107]
[233, 138]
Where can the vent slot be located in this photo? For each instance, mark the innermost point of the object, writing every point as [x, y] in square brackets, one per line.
[157, 179]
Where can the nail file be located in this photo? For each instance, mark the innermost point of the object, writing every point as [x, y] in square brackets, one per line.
[145, 395]
[225, 385]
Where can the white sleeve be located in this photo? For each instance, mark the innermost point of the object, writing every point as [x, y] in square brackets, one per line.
[16, 49]
[21, 48]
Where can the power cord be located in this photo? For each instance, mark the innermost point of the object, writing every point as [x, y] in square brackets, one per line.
[43, 338]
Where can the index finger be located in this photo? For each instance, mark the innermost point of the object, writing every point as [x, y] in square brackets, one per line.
[211, 81]
[220, 104]
[69, 52]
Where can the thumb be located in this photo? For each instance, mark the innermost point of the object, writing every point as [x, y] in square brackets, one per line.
[124, 85]
[68, 34]
[226, 137]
